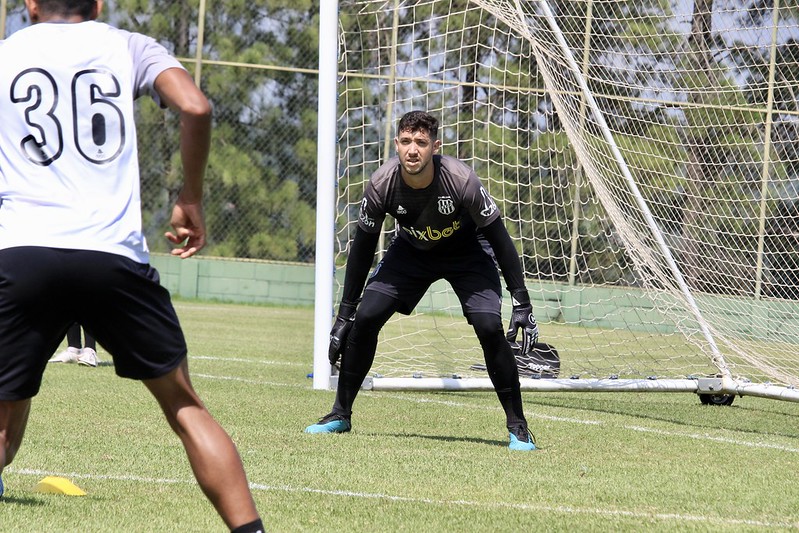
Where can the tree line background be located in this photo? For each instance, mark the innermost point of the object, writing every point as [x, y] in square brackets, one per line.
[259, 63]
[700, 96]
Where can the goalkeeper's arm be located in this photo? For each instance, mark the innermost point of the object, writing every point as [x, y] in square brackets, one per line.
[362, 252]
[359, 262]
[522, 317]
[507, 257]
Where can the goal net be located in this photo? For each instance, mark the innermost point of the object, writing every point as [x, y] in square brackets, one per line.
[645, 156]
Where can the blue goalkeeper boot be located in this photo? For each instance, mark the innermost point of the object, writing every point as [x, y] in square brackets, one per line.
[521, 439]
[332, 423]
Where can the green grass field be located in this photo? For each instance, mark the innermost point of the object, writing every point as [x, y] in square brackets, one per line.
[413, 462]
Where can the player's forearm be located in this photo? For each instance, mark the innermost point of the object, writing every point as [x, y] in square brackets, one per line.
[507, 257]
[195, 143]
[359, 262]
[178, 92]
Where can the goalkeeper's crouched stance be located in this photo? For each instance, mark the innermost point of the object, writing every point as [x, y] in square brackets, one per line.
[449, 228]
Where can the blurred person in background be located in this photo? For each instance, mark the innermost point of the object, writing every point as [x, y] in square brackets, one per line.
[76, 352]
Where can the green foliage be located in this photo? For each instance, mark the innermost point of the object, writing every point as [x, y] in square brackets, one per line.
[261, 180]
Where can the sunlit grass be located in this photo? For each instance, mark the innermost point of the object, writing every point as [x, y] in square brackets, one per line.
[421, 461]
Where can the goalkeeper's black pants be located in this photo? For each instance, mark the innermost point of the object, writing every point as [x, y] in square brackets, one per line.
[359, 353]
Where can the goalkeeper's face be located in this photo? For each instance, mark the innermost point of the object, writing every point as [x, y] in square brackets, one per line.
[415, 150]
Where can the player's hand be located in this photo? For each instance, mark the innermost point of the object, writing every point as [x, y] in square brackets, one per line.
[341, 330]
[188, 222]
[522, 319]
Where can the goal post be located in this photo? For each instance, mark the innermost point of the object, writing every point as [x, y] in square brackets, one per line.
[645, 163]
[326, 181]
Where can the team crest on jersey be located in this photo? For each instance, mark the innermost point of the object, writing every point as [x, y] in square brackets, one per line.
[364, 217]
[445, 205]
[401, 210]
[488, 204]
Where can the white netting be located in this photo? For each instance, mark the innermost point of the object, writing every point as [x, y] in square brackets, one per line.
[645, 156]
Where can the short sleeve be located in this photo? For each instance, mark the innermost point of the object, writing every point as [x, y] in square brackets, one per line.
[372, 211]
[150, 59]
[482, 208]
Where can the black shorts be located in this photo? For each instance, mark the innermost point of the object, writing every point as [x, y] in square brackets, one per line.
[118, 301]
[406, 273]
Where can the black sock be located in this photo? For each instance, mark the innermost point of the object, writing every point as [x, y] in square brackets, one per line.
[511, 401]
[256, 526]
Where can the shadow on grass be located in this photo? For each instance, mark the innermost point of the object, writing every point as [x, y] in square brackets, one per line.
[635, 411]
[8, 499]
[441, 438]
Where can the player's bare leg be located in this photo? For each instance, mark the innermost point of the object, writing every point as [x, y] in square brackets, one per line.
[13, 421]
[212, 454]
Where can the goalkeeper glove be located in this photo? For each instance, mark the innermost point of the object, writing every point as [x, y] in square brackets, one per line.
[341, 329]
[522, 318]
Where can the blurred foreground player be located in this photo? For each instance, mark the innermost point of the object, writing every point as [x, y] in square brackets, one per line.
[71, 245]
[445, 216]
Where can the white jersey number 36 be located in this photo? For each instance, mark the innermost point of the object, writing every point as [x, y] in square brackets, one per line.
[98, 126]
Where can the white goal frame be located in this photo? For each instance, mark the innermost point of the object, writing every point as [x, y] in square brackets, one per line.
[324, 375]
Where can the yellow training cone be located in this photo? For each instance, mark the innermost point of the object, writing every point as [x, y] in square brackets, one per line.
[58, 485]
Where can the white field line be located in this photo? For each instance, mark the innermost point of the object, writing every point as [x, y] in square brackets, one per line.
[557, 509]
[242, 360]
[215, 308]
[250, 381]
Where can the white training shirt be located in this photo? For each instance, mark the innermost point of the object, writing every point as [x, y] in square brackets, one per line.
[69, 172]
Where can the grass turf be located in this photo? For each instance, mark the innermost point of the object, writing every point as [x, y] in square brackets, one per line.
[415, 461]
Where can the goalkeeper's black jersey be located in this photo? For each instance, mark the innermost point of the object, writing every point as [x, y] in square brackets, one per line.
[442, 215]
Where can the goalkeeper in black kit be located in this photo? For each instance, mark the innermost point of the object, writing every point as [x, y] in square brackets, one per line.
[445, 218]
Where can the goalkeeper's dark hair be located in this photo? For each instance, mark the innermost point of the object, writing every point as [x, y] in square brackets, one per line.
[67, 8]
[419, 121]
